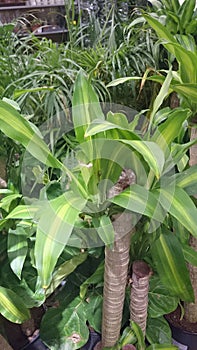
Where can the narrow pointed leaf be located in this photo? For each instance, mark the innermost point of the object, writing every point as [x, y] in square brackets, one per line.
[54, 229]
[12, 306]
[170, 264]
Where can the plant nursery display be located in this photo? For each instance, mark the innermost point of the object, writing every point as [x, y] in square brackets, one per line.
[113, 176]
[98, 209]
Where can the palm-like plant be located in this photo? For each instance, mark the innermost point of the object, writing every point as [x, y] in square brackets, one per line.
[86, 207]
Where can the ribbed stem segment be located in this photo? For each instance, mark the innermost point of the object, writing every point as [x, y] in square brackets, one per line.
[191, 308]
[139, 293]
[115, 279]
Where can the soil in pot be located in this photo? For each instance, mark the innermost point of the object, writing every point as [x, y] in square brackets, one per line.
[183, 332]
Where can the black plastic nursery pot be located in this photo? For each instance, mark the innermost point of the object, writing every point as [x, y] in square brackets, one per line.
[37, 343]
[185, 340]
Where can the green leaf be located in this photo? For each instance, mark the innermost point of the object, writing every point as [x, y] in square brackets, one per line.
[98, 126]
[160, 302]
[18, 93]
[12, 306]
[118, 81]
[139, 200]
[190, 255]
[18, 128]
[188, 180]
[139, 335]
[94, 311]
[187, 90]
[163, 93]
[64, 270]
[170, 264]
[85, 106]
[17, 249]
[158, 331]
[95, 278]
[169, 129]
[55, 226]
[151, 152]
[23, 212]
[177, 202]
[105, 229]
[68, 329]
[6, 201]
[162, 346]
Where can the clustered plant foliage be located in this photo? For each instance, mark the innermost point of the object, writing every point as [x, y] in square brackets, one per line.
[59, 225]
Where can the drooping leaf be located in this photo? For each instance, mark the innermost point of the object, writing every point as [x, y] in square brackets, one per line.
[17, 249]
[170, 128]
[105, 229]
[94, 311]
[151, 152]
[139, 200]
[95, 278]
[170, 264]
[23, 212]
[64, 270]
[12, 306]
[177, 202]
[55, 226]
[18, 128]
[98, 126]
[190, 255]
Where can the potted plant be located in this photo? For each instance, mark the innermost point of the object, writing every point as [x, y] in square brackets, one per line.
[183, 82]
[83, 209]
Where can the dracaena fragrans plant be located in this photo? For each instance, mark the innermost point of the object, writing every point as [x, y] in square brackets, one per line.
[118, 179]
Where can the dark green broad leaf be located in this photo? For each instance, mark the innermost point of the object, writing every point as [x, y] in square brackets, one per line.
[12, 306]
[158, 331]
[170, 264]
[160, 301]
[94, 311]
[65, 328]
[95, 278]
[56, 223]
[139, 200]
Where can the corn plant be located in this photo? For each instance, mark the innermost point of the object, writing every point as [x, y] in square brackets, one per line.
[84, 213]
